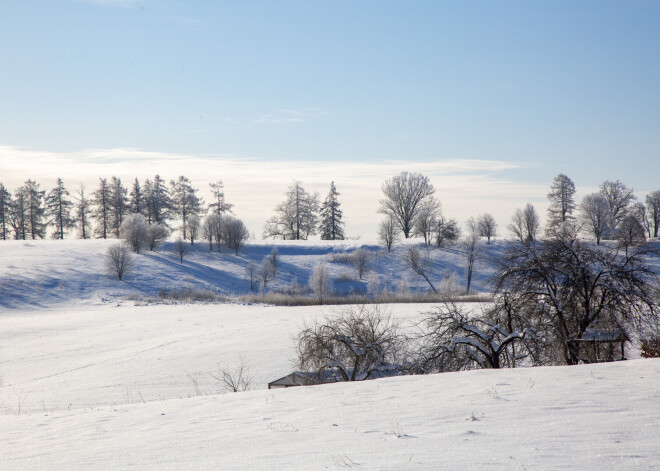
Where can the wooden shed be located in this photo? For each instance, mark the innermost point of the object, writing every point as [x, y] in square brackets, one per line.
[597, 346]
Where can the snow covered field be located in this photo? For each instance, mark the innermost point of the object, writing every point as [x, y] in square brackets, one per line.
[88, 380]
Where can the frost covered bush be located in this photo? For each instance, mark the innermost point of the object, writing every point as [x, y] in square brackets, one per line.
[134, 231]
[119, 260]
[320, 282]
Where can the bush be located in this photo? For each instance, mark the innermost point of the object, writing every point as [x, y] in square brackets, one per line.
[651, 348]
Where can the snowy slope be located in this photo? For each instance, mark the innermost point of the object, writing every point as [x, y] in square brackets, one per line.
[46, 272]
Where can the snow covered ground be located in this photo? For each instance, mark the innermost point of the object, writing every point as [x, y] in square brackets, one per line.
[89, 380]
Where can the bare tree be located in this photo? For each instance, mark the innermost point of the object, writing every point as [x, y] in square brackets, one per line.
[525, 224]
[236, 233]
[653, 204]
[236, 379]
[320, 282]
[487, 340]
[487, 226]
[251, 272]
[387, 232]
[404, 197]
[157, 233]
[134, 231]
[630, 233]
[181, 248]
[355, 344]
[619, 197]
[595, 215]
[212, 229]
[420, 264]
[119, 260]
[426, 221]
[472, 250]
[267, 272]
[447, 231]
[574, 286]
[562, 203]
[274, 258]
[361, 259]
[194, 228]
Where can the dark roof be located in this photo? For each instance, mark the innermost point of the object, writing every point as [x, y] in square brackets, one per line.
[595, 335]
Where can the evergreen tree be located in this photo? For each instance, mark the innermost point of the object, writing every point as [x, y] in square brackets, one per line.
[219, 205]
[58, 209]
[157, 199]
[34, 204]
[118, 203]
[18, 214]
[101, 213]
[5, 209]
[185, 202]
[137, 203]
[331, 216]
[562, 203]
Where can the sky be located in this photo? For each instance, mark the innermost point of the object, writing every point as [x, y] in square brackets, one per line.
[491, 100]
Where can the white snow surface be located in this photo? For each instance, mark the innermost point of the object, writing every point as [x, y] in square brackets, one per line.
[88, 380]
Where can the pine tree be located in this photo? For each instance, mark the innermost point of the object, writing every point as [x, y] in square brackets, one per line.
[34, 204]
[158, 201]
[136, 203]
[185, 202]
[18, 214]
[101, 213]
[219, 205]
[58, 209]
[562, 203]
[118, 204]
[331, 216]
[5, 209]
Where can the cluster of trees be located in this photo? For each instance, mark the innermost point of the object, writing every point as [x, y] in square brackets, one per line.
[548, 296]
[30, 212]
[301, 215]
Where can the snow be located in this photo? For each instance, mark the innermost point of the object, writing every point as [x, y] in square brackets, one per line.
[90, 380]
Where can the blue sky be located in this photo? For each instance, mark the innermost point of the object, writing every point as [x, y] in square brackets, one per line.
[544, 87]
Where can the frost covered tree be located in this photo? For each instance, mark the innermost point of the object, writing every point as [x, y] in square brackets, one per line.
[361, 260]
[320, 282]
[219, 204]
[296, 217]
[420, 264]
[404, 198]
[619, 197]
[157, 200]
[184, 202]
[5, 209]
[387, 232]
[137, 202]
[194, 228]
[331, 216]
[117, 204]
[595, 215]
[639, 211]
[472, 250]
[524, 224]
[119, 260]
[630, 232]
[180, 248]
[102, 211]
[251, 273]
[134, 231]
[447, 231]
[426, 221]
[18, 214]
[358, 343]
[83, 213]
[157, 233]
[487, 226]
[35, 227]
[653, 205]
[236, 233]
[488, 341]
[212, 230]
[562, 203]
[58, 209]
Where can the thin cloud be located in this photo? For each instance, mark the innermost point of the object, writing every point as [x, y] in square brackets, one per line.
[465, 187]
[290, 116]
